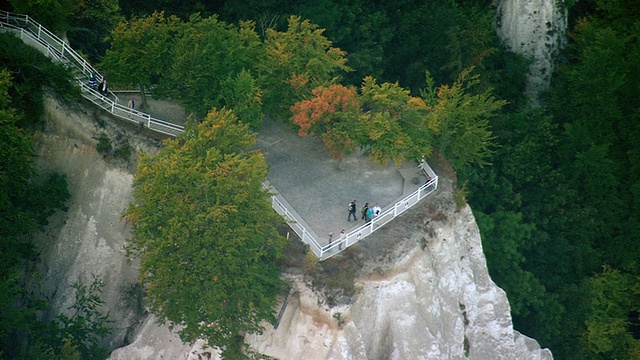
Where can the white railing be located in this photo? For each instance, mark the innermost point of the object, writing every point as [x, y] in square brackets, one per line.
[343, 241]
[39, 37]
[35, 35]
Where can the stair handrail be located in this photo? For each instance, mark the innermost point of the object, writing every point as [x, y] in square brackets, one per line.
[54, 47]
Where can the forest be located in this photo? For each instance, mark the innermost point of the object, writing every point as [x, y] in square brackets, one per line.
[554, 185]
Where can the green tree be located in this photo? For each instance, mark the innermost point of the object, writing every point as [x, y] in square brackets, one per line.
[182, 9]
[32, 73]
[27, 199]
[83, 329]
[53, 14]
[614, 296]
[140, 51]
[241, 93]
[378, 120]
[90, 25]
[391, 125]
[391, 116]
[359, 26]
[296, 62]
[207, 54]
[419, 41]
[463, 133]
[505, 239]
[205, 232]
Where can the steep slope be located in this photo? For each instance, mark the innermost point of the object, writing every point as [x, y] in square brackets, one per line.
[424, 292]
[537, 30]
[422, 288]
[89, 239]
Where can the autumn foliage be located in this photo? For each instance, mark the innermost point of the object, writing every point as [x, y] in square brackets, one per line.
[389, 124]
[326, 107]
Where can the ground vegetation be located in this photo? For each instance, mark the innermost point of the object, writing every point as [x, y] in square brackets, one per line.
[554, 187]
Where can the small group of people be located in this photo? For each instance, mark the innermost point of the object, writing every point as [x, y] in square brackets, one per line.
[341, 239]
[102, 87]
[367, 212]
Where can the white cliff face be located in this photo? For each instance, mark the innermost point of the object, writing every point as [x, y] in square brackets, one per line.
[434, 300]
[535, 29]
[89, 239]
[423, 290]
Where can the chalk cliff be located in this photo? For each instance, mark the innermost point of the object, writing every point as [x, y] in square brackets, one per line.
[423, 292]
[537, 30]
[422, 289]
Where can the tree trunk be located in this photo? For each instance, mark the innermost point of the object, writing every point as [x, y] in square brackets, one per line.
[143, 97]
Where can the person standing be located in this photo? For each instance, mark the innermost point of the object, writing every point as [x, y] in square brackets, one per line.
[352, 211]
[92, 82]
[369, 213]
[363, 211]
[132, 103]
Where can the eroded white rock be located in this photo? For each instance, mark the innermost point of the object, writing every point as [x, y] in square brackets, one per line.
[436, 303]
[428, 294]
[537, 30]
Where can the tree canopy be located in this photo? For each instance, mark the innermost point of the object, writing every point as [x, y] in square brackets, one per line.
[390, 124]
[32, 74]
[558, 207]
[213, 64]
[140, 50]
[296, 62]
[205, 232]
[570, 169]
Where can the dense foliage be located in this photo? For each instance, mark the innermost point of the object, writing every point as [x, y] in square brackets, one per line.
[87, 23]
[32, 74]
[27, 199]
[205, 233]
[213, 64]
[558, 207]
[390, 124]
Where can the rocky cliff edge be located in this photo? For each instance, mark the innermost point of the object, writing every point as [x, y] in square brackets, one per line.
[422, 286]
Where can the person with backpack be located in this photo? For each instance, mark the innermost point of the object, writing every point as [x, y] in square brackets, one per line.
[93, 82]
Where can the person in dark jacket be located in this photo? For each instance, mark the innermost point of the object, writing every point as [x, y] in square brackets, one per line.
[352, 211]
[363, 211]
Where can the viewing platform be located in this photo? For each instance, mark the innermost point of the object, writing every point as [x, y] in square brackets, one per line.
[309, 189]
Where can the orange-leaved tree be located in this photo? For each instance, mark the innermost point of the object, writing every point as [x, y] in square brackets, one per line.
[296, 62]
[391, 125]
[329, 114]
[381, 120]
